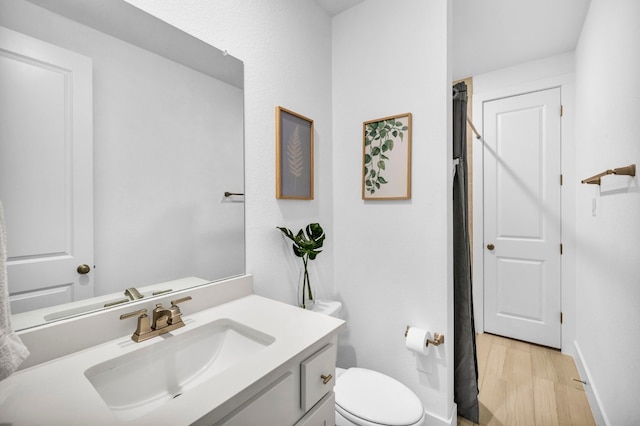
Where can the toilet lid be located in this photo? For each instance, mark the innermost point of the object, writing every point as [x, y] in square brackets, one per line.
[376, 398]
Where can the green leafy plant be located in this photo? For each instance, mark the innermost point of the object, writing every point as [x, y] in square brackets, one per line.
[306, 244]
[378, 141]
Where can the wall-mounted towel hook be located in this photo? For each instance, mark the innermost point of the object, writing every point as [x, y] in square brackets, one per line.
[623, 171]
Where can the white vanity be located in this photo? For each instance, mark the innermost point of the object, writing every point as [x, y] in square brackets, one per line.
[240, 359]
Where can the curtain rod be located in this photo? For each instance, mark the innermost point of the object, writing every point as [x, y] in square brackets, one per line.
[478, 136]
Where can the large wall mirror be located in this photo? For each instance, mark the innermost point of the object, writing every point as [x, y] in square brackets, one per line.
[121, 157]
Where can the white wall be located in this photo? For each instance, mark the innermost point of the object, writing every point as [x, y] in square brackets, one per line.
[393, 258]
[555, 71]
[286, 49]
[607, 129]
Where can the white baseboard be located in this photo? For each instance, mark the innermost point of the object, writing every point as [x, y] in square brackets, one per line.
[597, 410]
[433, 420]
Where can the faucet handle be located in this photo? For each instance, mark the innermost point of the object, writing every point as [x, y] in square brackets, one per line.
[184, 299]
[141, 312]
[176, 315]
[143, 329]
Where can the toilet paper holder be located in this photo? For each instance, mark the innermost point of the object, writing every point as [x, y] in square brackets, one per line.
[437, 340]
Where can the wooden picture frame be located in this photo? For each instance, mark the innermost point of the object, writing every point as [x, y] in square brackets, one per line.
[294, 155]
[386, 158]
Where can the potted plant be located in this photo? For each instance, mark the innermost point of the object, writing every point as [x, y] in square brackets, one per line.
[306, 244]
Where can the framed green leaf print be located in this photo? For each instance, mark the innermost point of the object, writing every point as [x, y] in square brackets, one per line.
[386, 158]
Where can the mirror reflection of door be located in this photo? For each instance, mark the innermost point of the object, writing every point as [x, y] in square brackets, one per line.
[522, 217]
[46, 171]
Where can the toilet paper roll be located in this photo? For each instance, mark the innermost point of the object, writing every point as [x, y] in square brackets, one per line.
[416, 340]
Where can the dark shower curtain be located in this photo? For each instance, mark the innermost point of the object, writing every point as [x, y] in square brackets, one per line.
[465, 361]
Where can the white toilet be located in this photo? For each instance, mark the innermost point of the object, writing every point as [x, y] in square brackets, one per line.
[369, 398]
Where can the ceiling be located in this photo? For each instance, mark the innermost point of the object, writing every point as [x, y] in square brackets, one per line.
[493, 34]
[333, 7]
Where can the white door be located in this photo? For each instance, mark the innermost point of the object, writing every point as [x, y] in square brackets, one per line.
[46, 170]
[522, 217]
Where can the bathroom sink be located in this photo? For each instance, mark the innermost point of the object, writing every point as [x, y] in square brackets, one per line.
[138, 382]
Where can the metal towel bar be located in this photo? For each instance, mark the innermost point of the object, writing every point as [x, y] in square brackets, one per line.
[625, 171]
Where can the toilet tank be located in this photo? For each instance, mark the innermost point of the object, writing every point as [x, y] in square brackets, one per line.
[331, 308]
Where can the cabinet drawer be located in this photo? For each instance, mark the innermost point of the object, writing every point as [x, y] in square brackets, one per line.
[323, 414]
[317, 376]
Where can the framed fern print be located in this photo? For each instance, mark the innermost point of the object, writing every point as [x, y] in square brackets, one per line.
[294, 155]
[386, 158]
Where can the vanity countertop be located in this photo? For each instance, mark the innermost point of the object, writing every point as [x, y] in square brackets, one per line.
[57, 392]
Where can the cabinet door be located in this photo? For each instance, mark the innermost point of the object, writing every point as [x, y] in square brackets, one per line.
[323, 414]
[263, 408]
[317, 376]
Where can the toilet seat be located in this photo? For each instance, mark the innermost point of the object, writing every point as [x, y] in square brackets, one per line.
[366, 397]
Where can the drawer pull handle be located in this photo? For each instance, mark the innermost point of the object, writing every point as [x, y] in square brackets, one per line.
[326, 379]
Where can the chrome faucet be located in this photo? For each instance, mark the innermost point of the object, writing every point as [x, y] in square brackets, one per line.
[164, 320]
[133, 294]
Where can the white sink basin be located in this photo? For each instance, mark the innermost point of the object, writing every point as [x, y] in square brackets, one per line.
[136, 383]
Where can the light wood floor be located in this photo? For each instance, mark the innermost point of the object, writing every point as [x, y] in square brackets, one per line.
[525, 384]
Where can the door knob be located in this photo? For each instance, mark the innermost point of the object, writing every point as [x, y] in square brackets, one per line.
[490, 246]
[83, 269]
